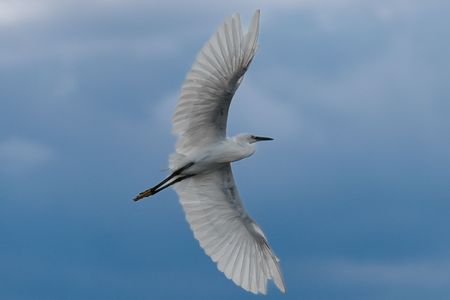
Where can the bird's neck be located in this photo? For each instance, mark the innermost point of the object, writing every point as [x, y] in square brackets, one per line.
[241, 149]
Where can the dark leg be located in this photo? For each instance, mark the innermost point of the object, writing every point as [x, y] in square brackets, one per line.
[172, 182]
[175, 173]
[154, 190]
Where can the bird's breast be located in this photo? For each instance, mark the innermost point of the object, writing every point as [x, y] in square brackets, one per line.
[211, 157]
[229, 151]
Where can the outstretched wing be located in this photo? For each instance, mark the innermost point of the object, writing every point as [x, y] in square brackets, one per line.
[226, 232]
[201, 113]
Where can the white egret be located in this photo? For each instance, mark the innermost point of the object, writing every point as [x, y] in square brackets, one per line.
[200, 167]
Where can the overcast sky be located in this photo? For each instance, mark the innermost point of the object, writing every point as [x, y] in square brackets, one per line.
[353, 194]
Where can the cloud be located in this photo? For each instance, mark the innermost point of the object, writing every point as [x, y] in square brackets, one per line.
[357, 278]
[14, 13]
[364, 83]
[18, 154]
[256, 109]
[416, 273]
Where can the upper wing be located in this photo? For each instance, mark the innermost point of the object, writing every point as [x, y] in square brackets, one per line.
[201, 113]
[226, 232]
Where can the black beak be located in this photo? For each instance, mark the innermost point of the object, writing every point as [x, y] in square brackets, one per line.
[263, 138]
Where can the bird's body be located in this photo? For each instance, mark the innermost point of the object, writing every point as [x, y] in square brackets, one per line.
[210, 157]
[201, 165]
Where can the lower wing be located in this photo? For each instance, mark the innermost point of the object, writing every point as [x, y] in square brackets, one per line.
[226, 232]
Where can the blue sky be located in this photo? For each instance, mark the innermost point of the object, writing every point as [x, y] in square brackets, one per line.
[353, 193]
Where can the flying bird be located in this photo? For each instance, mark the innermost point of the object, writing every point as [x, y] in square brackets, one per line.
[201, 165]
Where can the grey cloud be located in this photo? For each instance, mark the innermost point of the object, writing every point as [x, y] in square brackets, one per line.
[417, 274]
[360, 86]
[19, 154]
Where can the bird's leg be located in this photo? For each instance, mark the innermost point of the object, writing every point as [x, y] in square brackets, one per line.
[172, 182]
[152, 191]
[158, 189]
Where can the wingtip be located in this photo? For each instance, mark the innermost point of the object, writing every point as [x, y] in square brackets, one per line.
[279, 280]
[255, 24]
[256, 15]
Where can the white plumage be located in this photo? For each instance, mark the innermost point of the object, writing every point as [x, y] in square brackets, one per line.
[201, 169]
[201, 114]
[226, 232]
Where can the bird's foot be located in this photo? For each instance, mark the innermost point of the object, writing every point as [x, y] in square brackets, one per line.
[144, 194]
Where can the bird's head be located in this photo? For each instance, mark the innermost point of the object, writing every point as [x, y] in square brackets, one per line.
[250, 138]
